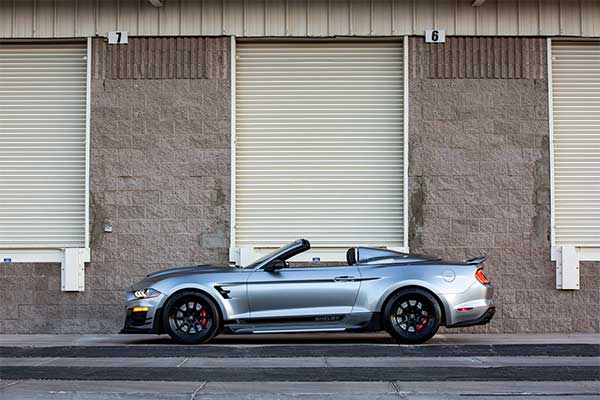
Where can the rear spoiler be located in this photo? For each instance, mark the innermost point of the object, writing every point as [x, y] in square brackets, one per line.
[476, 260]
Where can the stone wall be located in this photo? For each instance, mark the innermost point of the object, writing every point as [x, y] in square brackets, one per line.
[480, 184]
[160, 176]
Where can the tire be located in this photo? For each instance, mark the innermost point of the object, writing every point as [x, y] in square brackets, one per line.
[412, 316]
[191, 317]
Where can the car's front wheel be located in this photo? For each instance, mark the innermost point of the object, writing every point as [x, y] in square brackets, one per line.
[412, 316]
[191, 317]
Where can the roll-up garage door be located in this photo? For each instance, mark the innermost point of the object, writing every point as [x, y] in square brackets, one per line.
[319, 143]
[42, 145]
[576, 113]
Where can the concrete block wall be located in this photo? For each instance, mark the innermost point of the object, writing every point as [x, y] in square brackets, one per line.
[160, 176]
[479, 179]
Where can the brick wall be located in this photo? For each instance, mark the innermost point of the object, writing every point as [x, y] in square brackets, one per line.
[160, 156]
[479, 184]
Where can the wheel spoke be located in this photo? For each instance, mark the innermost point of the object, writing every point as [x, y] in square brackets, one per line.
[412, 315]
[191, 315]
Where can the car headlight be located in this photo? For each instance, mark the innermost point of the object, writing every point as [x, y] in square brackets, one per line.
[146, 293]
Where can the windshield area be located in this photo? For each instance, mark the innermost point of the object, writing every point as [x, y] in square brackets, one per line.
[282, 250]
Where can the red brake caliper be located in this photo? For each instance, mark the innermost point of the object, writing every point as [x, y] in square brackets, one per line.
[422, 324]
[204, 321]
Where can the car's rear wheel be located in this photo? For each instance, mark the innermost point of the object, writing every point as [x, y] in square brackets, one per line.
[412, 316]
[191, 317]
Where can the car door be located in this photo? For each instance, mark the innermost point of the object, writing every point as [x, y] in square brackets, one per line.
[303, 291]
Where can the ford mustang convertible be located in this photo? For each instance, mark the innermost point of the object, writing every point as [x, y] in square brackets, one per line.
[407, 295]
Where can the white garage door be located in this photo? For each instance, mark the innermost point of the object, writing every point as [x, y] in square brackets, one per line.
[576, 119]
[319, 144]
[42, 145]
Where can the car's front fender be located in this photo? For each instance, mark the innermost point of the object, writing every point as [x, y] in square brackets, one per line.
[226, 309]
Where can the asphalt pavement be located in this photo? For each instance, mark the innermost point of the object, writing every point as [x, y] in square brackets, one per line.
[336, 366]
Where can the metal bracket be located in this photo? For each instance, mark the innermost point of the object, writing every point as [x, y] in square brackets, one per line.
[567, 267]
[73, 270]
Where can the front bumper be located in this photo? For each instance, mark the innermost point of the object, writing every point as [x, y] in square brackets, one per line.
[143, 315]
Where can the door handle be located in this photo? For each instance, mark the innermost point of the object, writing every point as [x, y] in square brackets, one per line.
[344, 278]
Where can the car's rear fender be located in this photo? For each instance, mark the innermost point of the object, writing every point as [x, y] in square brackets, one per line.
[412, 284]
[445, 281]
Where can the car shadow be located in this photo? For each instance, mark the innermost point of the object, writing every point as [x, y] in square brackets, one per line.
[286, 339]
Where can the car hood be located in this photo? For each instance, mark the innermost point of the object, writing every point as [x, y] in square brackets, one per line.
[152, 279]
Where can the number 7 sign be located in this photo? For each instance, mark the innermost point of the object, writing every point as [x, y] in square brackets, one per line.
[117, 37]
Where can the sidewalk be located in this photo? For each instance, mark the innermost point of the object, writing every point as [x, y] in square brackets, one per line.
[297, 339]
[300, 367]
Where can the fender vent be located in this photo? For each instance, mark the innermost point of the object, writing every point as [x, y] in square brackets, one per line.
[223, 292]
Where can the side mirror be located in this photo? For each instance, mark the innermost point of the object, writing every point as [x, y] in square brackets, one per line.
[275, 266]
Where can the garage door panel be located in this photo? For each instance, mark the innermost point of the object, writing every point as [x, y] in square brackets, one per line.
[42, 145]
[319, 143]
[576, 139]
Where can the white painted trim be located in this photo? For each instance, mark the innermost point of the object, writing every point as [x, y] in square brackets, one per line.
[405, 63]
[551, 139]
[32, 256]
[588, 253]
[88, 97]
[583, 253]
[234, 255]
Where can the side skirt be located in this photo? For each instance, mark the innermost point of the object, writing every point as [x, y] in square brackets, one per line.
[312, 323]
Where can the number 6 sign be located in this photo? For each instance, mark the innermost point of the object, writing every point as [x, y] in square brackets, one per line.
[435, 36]
[117, 37]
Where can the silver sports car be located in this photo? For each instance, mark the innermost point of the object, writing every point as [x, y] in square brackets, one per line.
[408, 295]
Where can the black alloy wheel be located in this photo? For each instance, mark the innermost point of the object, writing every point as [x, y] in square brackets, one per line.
[191, 317]
[412, 316]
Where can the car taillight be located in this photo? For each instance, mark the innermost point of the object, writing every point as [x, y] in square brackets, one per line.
[481, 277]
